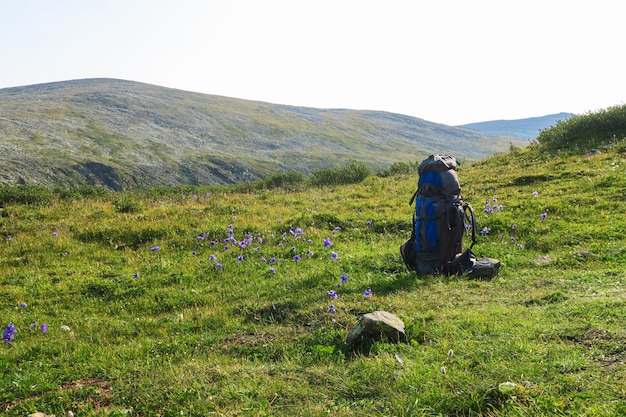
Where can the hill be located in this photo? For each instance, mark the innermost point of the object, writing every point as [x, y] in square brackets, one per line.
[122, 134]
[528, 128]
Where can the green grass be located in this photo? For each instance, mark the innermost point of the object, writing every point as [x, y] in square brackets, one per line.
[135, 331]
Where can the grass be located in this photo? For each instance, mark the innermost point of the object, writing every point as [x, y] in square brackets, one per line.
[139, 331]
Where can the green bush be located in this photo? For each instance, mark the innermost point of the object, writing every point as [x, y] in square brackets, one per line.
[352, 173]
[585, 132]
[286, 180]
[400, 168]
[80, 192]
[125, 203]
[26, 194]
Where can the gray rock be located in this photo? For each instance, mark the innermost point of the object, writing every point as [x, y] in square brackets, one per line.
[377, 326]
[584, 254]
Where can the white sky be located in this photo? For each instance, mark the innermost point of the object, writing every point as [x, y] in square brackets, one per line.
[446, 61]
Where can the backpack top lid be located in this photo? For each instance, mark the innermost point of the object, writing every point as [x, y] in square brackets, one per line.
[437, 163]
[438, 177]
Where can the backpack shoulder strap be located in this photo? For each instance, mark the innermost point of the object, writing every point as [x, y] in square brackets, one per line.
[471, 219]
[414, 197]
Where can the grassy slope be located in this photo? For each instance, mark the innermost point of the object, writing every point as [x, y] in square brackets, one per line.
[185, 337]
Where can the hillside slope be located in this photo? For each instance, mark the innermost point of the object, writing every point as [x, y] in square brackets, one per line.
[527, 128]
[208, 301]
[123, 134]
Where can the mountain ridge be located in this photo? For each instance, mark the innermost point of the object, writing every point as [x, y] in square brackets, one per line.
[527, 128]
[121, 134]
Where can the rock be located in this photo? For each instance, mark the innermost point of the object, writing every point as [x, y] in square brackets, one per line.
[593, 152]
[542, 260]
[376, 326]
[584, 254]
[40, 414]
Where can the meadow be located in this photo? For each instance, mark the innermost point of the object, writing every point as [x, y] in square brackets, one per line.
[224, 301]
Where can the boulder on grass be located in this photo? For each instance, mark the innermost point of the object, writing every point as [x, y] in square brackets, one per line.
[378, 325]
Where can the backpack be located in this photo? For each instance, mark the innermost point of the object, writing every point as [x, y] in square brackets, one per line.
[439, 219]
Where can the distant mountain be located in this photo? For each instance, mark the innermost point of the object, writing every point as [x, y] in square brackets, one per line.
[122, 134]
[521, 128]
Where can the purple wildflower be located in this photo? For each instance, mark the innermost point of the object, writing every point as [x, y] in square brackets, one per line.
[23, 305]
[514, 226]
[44, 328]
[272, 260]
[344, 278]
[136, 275]
[485, 230]
[9, 333]
[367, 292]
[334, 256]
[543, 216]
[332, 308]
[240, 258]
[272, 269]
[332, 294]
[297, 258]
[327, 242]
[212, 258]
[218, 265]
[535, 194]
[155, 248]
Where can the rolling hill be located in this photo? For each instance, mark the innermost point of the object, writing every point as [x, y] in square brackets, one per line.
[122, 134]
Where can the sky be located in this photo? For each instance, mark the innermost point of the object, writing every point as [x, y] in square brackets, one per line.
[445, 61]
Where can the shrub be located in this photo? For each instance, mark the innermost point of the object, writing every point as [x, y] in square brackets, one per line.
[80, 192]
[26, 194]
[585, 132]
[352, 173]
[286, 180]
[399, 168]
[125, 203]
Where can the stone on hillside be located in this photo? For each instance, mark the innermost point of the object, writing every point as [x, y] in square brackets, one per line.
[377, 326]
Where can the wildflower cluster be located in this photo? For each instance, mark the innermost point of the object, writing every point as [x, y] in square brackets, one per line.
[9, 332]
[492, 206]
[273, 251]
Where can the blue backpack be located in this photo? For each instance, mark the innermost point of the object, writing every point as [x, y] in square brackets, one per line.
[439, 220]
